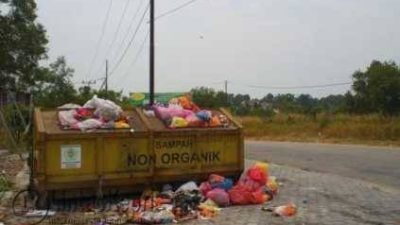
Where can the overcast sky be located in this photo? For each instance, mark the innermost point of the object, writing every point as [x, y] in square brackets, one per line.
[247, 42]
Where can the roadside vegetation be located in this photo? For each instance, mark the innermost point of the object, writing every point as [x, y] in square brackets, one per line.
[371, 129]
[369, 113]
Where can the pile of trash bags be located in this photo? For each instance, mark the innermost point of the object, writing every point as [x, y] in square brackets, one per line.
[94, 114]
[190, 201]
[182, 112]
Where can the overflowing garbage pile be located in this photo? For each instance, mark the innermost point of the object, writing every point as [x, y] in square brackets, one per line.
[206, 201]
[182, 112]
[96, 113]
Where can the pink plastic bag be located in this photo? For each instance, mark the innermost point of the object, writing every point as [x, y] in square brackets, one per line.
[205, 187]
[219, 196]
[67, 118]
[165, 113]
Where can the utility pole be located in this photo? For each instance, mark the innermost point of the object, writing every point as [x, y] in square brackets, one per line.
[151, 52]
[226, 92]
[106, 79]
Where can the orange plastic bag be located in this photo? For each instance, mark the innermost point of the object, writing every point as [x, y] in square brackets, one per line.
[186, 103]
[215, 122]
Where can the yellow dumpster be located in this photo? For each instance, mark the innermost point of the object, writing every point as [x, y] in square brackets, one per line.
[147, 154]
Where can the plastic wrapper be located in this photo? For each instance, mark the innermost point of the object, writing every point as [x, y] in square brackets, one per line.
[272, 185]
[121, 125]
[285, 210]
[208, 209]
[178, 122]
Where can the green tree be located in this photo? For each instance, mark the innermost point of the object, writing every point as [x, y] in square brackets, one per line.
[56, 87]
[22, 44]
[285, 102]
[306, 103]
[204, 97]
[377, 89]
[333, 103]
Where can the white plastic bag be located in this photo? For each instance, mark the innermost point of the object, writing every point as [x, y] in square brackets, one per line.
[105, 109]
[189, 186]
[66, 118]
[88, 124]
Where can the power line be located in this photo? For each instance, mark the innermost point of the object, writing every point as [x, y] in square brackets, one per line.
[137, 54]
[174, 9]
[295, 87]
[100, 38]
[126, 6]
[130, 42]
[130, 25]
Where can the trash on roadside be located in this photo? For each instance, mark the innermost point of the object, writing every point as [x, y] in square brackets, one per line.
[208, 209]
[191, 201]
[250, 187]
[272, 185]
[287, 210]
[219, 196]
[40, 213]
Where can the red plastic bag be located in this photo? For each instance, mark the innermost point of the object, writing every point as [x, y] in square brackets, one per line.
[257, 174]
[239, 195]
[243, 195]
[205, 187]
[250, 184]
[219, 196]
[258, 197]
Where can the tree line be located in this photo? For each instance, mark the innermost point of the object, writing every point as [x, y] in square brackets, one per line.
[375, 90]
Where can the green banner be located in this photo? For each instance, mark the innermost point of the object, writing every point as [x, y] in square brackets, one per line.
[139, 99]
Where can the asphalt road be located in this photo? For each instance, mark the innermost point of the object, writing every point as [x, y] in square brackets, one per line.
[380, 165]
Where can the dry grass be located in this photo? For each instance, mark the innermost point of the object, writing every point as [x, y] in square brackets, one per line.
[342, 128]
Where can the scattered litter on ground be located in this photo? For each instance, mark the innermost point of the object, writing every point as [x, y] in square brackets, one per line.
[287, 210]
[40, 213]
[190, 201]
